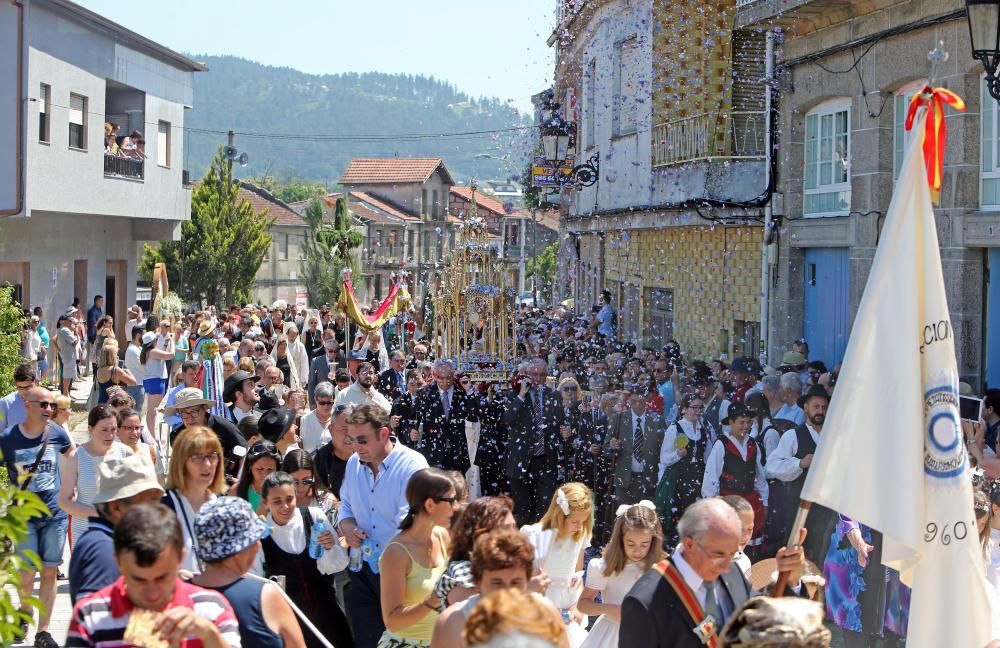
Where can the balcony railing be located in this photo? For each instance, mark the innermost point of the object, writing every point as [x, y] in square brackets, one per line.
[123, 167]
[744, 3]
[732, 135]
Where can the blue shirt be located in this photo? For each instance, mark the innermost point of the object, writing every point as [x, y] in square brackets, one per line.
[606, 321]
[12, 410]
[667, 392]
[19, 454]
[378, 504]
[92, 563]
[792, 413]
[174, 419]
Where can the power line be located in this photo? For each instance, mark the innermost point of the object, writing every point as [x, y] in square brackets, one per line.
[304, 137]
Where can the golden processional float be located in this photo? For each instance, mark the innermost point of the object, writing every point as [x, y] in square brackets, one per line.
[474, 311]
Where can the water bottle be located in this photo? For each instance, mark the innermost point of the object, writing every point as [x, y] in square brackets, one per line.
[315, 548]
[355, 559]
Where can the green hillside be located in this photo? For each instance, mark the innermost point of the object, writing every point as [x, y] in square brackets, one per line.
[240, 95]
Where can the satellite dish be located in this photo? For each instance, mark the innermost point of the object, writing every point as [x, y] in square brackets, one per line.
[243, 159]
[230, 152]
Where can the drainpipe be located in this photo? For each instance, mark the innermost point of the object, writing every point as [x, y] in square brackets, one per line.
[19, 121]
[765, 269]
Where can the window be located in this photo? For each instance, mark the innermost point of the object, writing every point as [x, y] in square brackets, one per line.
[434, 204]
[827, 159]
[283, 248]
[990, 191]
[659, 327]
[378, 238]
[163, 144]
[423, 202]
[425, 243]
[589, 104]
[900, 137]
[747, 339]
[409, 245]
[77, 121]
[627, 86]
[44, 112]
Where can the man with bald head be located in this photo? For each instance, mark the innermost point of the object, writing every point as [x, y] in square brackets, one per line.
[31, 452]
[701, 571]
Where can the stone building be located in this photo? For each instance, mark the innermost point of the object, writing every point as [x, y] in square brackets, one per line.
[846, 73]
[668, 97]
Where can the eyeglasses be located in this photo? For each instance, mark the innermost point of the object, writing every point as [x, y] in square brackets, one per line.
[450, 500]
[205, 458]
[716, 556]
[304, 482]
[45, 405]
[324, 403]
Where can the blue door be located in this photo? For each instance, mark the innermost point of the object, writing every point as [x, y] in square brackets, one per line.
[993, 319]
[827, 303]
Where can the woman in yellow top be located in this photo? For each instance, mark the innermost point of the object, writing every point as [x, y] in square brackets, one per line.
[414, 560]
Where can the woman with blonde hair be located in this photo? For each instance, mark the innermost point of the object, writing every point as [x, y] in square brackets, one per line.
[196, 476]
[109, 373]
[560, 538]
[246, 364]
[508, 611]
[228, 366]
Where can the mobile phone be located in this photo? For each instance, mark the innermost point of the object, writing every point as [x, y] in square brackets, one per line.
[970, 408]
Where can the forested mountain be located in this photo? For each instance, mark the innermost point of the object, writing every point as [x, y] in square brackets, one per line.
[244, 96]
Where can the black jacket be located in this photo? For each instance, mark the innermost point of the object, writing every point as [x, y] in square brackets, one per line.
[389, 386]
[653, 616]
[519, 419]
[443, 441]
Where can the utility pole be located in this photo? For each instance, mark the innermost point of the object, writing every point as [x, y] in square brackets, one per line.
[231, 142]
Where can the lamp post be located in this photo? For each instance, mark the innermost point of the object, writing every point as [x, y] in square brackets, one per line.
[984, 31]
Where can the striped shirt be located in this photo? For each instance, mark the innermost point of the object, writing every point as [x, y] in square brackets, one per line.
[100, 619]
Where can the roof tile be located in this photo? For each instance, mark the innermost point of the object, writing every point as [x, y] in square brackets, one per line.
[391, 170]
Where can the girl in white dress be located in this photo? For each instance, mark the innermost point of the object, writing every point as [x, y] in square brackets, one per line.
[636, 545]
[559, 540]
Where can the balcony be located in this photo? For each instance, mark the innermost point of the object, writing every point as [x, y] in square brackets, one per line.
[710, 136]
[117, 166]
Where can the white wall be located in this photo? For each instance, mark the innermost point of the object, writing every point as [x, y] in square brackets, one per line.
[78, 175]
[625, 160]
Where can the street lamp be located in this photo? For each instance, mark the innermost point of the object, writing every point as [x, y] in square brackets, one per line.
[984, 31]
[555, 146]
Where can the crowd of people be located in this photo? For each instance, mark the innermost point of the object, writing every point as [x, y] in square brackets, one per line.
[127, 146]
[354, 490]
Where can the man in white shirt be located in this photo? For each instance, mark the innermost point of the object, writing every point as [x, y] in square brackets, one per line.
[652, 614]
[372, 504]
[789, 464]
[363, 391]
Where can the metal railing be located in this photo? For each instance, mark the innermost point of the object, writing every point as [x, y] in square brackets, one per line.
[732, 135]
[744, 3]
[124, 167]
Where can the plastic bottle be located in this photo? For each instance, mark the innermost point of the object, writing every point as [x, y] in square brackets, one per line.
[356, 559]
[315, 548]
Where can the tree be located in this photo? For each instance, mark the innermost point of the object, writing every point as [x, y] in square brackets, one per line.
[221, 247]
[11, 325]
[545, 262]
[327, 250]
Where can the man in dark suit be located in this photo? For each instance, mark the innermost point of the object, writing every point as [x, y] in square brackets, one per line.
[322, 365]
[634, 439]
[533, 418]
[442, 409]
[392, 381]
[654, 614]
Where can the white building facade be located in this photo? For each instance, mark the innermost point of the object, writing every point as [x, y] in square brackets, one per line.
[73, 219]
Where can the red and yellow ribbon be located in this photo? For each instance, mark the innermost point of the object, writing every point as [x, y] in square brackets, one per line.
[935, 131]
[397, 300]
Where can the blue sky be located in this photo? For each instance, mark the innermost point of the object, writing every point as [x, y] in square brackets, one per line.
[482, 48]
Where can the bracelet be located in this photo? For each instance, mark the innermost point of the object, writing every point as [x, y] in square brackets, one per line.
[429, 606]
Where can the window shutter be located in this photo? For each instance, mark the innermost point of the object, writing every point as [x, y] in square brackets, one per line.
[76, 108]
[629, 85]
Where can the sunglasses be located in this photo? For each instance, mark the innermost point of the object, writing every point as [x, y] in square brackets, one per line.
[45, 405]
[324, 403]
[304, 482]
[262, 448]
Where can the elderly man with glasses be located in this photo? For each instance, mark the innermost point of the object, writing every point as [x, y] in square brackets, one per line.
[392, 381]
[442, 409]
[194, 410]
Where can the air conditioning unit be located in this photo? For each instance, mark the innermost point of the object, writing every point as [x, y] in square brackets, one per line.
[292, 276]
[185, 177]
